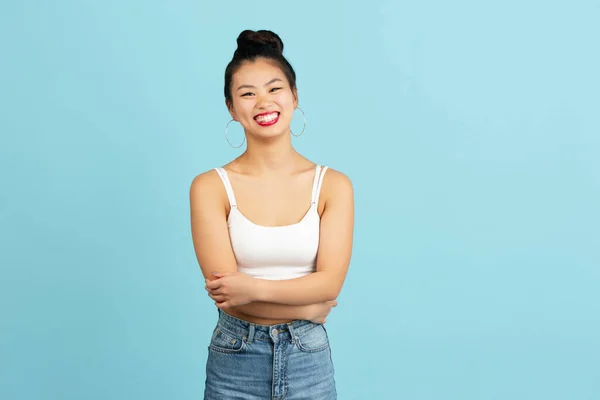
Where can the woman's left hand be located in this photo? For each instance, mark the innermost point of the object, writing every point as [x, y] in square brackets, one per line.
[232, 289]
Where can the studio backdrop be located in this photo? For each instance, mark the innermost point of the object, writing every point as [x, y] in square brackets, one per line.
[470, 131]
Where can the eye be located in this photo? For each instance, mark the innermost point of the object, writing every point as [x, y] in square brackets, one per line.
[247, 94]
[275, 89]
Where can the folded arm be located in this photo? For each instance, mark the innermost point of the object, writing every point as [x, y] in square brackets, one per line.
[213, 250]
[333, 259]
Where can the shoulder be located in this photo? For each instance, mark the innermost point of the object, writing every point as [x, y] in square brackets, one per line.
[337, 179]
[336, 184]
[206, 186]
[205, 180]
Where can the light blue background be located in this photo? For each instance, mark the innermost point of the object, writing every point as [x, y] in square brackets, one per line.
[471, 133]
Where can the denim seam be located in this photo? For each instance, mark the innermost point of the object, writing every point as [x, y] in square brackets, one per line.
[230, 334]
[323, 347]
[228, 337]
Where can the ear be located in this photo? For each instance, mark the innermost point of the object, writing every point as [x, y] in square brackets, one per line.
[231, 110]
[295, 94]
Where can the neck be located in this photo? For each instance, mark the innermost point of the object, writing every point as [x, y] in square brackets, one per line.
[272, 156]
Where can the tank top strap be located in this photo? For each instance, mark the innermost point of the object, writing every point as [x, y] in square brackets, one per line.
[225, 178]
[318, 182]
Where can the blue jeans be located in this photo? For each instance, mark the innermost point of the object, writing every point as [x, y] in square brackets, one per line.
[289, 361]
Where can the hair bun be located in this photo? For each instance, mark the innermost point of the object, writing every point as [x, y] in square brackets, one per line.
[255, 43]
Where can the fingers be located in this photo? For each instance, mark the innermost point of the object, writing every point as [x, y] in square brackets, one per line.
[216, 294]
[222, 305]
[214, 284]
[215, 291]
[214, 287]
[222, 274]
[218, 298]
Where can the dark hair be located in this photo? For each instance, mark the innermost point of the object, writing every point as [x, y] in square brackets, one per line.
[258, 44]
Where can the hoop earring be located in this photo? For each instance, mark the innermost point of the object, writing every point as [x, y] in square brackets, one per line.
[227, 137]
[304, 127]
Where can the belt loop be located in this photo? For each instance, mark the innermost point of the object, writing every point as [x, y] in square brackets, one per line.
[250, 337]
[292, 333]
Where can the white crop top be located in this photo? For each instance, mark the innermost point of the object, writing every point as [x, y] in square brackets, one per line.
[275, 252]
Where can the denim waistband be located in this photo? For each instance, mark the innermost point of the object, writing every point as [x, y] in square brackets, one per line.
[251, 331]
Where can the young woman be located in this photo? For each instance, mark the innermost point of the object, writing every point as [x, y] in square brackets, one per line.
[272, 232]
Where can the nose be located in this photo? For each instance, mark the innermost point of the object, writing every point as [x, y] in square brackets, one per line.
[262, 102]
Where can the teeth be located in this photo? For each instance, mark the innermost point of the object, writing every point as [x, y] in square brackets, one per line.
[267, 118]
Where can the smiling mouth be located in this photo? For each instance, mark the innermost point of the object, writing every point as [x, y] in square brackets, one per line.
[267, 119]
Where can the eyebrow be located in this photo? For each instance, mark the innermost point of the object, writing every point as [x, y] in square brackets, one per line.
[267, 84]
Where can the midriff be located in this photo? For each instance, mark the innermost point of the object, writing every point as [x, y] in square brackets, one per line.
[256, 320]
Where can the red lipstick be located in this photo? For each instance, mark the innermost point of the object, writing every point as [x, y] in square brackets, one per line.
[269, 122]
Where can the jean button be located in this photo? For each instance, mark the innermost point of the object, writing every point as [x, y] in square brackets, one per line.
[274, 332]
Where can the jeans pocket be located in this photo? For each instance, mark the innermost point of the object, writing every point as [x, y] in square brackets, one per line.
[226, 342]
[313, 340]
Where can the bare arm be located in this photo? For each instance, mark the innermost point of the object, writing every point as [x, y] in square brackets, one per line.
[212, 245]
[333, 259]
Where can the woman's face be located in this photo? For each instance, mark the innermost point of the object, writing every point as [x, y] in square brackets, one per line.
[262, 100]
